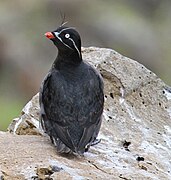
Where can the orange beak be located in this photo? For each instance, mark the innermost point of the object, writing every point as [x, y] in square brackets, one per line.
[49, 35]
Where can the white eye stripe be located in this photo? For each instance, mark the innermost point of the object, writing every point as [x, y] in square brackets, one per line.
[57, 35]
[68, 37]
[75, 46]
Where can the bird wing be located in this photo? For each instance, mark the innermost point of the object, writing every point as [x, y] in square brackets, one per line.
[54, 114]
[70, 113]
[91, 108]
[42, 116]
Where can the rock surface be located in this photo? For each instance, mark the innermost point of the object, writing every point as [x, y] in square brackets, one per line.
[135, 134]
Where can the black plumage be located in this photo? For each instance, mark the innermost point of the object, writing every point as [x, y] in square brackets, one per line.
[71, 96]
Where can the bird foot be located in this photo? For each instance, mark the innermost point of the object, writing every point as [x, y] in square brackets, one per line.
[96, 141]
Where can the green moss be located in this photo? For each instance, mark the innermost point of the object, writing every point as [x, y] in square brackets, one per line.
[9, 109]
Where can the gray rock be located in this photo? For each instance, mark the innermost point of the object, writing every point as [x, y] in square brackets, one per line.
[135, 134]
[28, 122]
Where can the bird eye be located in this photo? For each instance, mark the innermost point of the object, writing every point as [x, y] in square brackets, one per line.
[67, 36]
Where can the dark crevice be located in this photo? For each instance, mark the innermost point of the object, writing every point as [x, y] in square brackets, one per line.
[111, 95]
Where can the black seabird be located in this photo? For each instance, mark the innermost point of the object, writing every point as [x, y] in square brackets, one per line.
[71, 96]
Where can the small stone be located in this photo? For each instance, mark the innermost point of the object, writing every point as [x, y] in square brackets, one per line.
[140, 158]
[126, 145]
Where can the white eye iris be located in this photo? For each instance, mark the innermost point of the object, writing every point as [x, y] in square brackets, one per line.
[67, 36]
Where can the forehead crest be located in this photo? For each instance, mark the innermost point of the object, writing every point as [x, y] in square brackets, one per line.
[63, 29]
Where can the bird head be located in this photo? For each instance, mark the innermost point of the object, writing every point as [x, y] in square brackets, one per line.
[66, 39]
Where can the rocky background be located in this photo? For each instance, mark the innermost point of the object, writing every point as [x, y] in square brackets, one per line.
[135, 134]
[138, 29]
